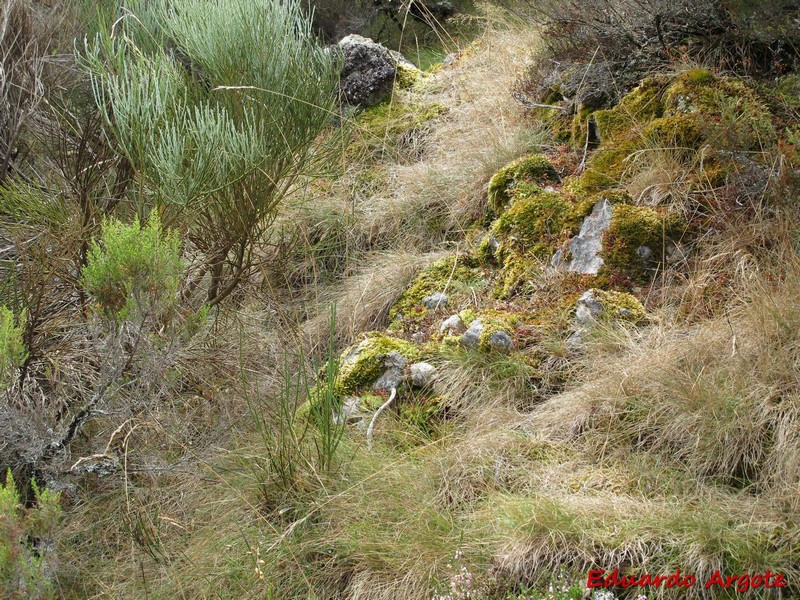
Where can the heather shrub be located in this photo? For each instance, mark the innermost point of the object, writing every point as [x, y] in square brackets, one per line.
[26, 540]
[12, 346]
[743, 35]
[133, 270]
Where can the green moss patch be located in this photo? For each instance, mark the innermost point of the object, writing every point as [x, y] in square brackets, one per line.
[642, 105]
[620, 305]
[452, 275]
[392, 125]
[637, 241]
[407, 76]
[363, 363]
[532, 169]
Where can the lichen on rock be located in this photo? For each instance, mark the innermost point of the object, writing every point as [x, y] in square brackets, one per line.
[491, 330]
[596, 304]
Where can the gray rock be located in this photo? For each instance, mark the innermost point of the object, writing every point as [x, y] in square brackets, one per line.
[588, 308]
[435, 301]
[453, 325]
[501, 341]
[472, 337]
[395, 363]
[586, 246]
[575, 340]
[368, 71]
[350, 412]
[644, 252]
[422, 374]
[418, 337]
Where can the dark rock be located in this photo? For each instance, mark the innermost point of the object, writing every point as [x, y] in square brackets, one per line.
[501, 341]
[369, 70]
[368, 74]
[472, 337]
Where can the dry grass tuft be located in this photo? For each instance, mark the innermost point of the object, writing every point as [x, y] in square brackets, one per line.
[363, 300]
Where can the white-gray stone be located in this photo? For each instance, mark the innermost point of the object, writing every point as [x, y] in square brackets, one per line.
[472, 337]
[452, 325]
[435, 301]
[586, 246]
[422, 374]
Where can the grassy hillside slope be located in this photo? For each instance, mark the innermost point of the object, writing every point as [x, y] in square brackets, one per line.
[660, 433]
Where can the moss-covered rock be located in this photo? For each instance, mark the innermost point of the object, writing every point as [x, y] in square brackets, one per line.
[452, 275]
[675, 131]
[533, 169]
[531, 230]
[642, 105]
[730, 112]
[362, 364]
[597, 304]
[495, 321]
[531, 225]
[359, 367]
[695, 110]
[526, 234]
[638, 240]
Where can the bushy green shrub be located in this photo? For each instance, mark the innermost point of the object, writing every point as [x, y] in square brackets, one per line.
[12, 346]
[133, 270]
[218, 106]
[24, 569]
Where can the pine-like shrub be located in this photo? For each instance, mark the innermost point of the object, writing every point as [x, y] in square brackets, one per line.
[217, 105]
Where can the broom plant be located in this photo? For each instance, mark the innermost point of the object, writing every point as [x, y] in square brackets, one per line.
[219, 106]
